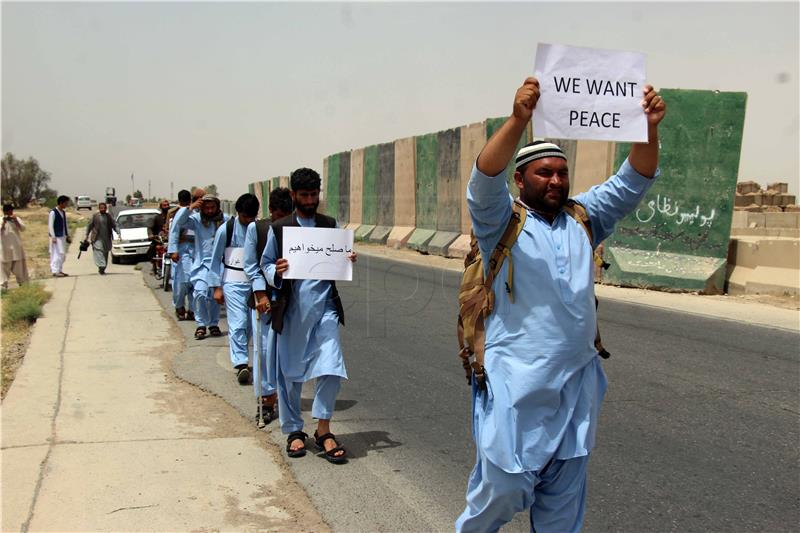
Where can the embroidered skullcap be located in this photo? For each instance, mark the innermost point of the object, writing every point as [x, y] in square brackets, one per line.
[537, 150]
[210, 198]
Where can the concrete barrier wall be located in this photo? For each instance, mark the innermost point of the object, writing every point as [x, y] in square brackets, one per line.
[473, 139]
[594, 163]
[448, 181]
[332, 186]
[405, 185]
[344, 188]
[427, 159]
[356, 185]
[385, 185]
[678, 237]
[369, 200]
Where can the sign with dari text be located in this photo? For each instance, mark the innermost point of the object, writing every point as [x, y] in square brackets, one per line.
[318, 253]
[589, 93]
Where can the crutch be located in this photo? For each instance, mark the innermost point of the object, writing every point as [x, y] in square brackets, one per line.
[260, 423]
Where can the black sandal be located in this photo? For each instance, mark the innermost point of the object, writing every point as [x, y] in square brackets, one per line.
[214, 331]
[293, 436]
[180, 312]
[267, 413]
[330, 455]
[200, 333]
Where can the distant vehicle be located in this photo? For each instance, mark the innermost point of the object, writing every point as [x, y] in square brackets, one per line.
[136, 202]
[111, 196]
[83, 202]
[132, 240]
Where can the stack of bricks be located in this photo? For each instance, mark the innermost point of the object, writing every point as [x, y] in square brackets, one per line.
[750, 197]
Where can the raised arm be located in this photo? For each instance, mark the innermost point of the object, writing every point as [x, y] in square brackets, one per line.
[644, 156]
[499, 150]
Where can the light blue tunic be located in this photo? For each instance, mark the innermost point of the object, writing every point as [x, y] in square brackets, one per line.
[181, 269]
[236, 293]
[309, 346]
[545, 383]
[203, 241]
[264, 363]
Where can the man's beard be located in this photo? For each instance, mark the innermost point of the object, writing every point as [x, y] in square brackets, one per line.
[164, 211]
[207, 219]
[308, 210]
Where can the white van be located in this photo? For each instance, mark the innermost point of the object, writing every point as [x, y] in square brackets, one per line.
[83, 202]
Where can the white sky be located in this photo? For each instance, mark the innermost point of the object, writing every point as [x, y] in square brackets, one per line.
[224, 93]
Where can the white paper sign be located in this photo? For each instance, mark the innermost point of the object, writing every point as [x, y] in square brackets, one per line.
[588, 93]
[318, 253]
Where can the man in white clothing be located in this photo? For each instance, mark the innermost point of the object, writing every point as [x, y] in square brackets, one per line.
[58, 229]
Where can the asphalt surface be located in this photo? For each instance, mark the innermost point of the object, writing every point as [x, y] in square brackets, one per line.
[699, 430]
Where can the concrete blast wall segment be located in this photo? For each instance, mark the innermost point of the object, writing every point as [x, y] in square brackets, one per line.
[492, 125]
[344, 188]
[332, 186]
[385, 185]
[405, 187]
[427, 163]
[369, 210]
[356, 184]
[473, 138]
[678, 237]
[448, 182]
[251, 188]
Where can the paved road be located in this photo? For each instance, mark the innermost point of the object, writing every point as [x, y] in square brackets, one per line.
[699, 430]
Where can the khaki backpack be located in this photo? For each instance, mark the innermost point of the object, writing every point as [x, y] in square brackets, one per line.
[476, 297]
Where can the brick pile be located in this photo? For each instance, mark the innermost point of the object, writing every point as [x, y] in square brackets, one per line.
[776, 198]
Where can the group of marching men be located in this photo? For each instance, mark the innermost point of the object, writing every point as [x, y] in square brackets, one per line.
[294, 324]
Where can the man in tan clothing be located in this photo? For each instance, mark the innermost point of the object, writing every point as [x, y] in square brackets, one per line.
[99, 234]
[13, 253]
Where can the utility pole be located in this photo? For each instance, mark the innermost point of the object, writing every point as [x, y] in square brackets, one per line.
[148, 190]
[133, 189]
[171, 191]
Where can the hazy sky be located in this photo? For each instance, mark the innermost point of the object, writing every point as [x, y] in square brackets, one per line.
[227, 93]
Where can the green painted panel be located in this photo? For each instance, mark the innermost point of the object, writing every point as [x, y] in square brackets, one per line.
[369, 194]
[344, 188]
[427, 163]
[689, 209]
[448, 182]
[251, 188]
[332, 187]
[265, 189]
[276, 182]
[385, 185]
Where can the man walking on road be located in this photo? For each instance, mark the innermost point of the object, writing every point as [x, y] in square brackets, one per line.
[204, 223]
[230, 284]
[58, 230]
[98, 233]
[534, 422]
[181, 248]
[13, 252]
[264, 378]
[306, 318]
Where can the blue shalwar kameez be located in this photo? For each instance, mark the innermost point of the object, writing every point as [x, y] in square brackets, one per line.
[309, 347]
[264, 371]
[235, 287]
[181, 286]
[206, 310]
[535, 424]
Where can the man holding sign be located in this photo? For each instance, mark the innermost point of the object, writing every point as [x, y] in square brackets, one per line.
[534, 422]
[306, 317]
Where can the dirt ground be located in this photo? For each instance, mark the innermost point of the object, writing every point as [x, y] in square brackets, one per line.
[35, 241]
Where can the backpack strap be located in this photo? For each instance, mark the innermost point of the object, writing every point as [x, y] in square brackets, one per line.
[229, 231]
[473, 367]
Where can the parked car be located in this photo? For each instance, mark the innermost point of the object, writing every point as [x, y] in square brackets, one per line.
[83, 202]
[132, 240]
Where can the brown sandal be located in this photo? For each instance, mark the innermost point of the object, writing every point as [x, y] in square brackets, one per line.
[200, 333]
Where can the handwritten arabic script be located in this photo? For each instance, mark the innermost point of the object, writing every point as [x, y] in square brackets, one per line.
[328, 250]
[667, 208]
